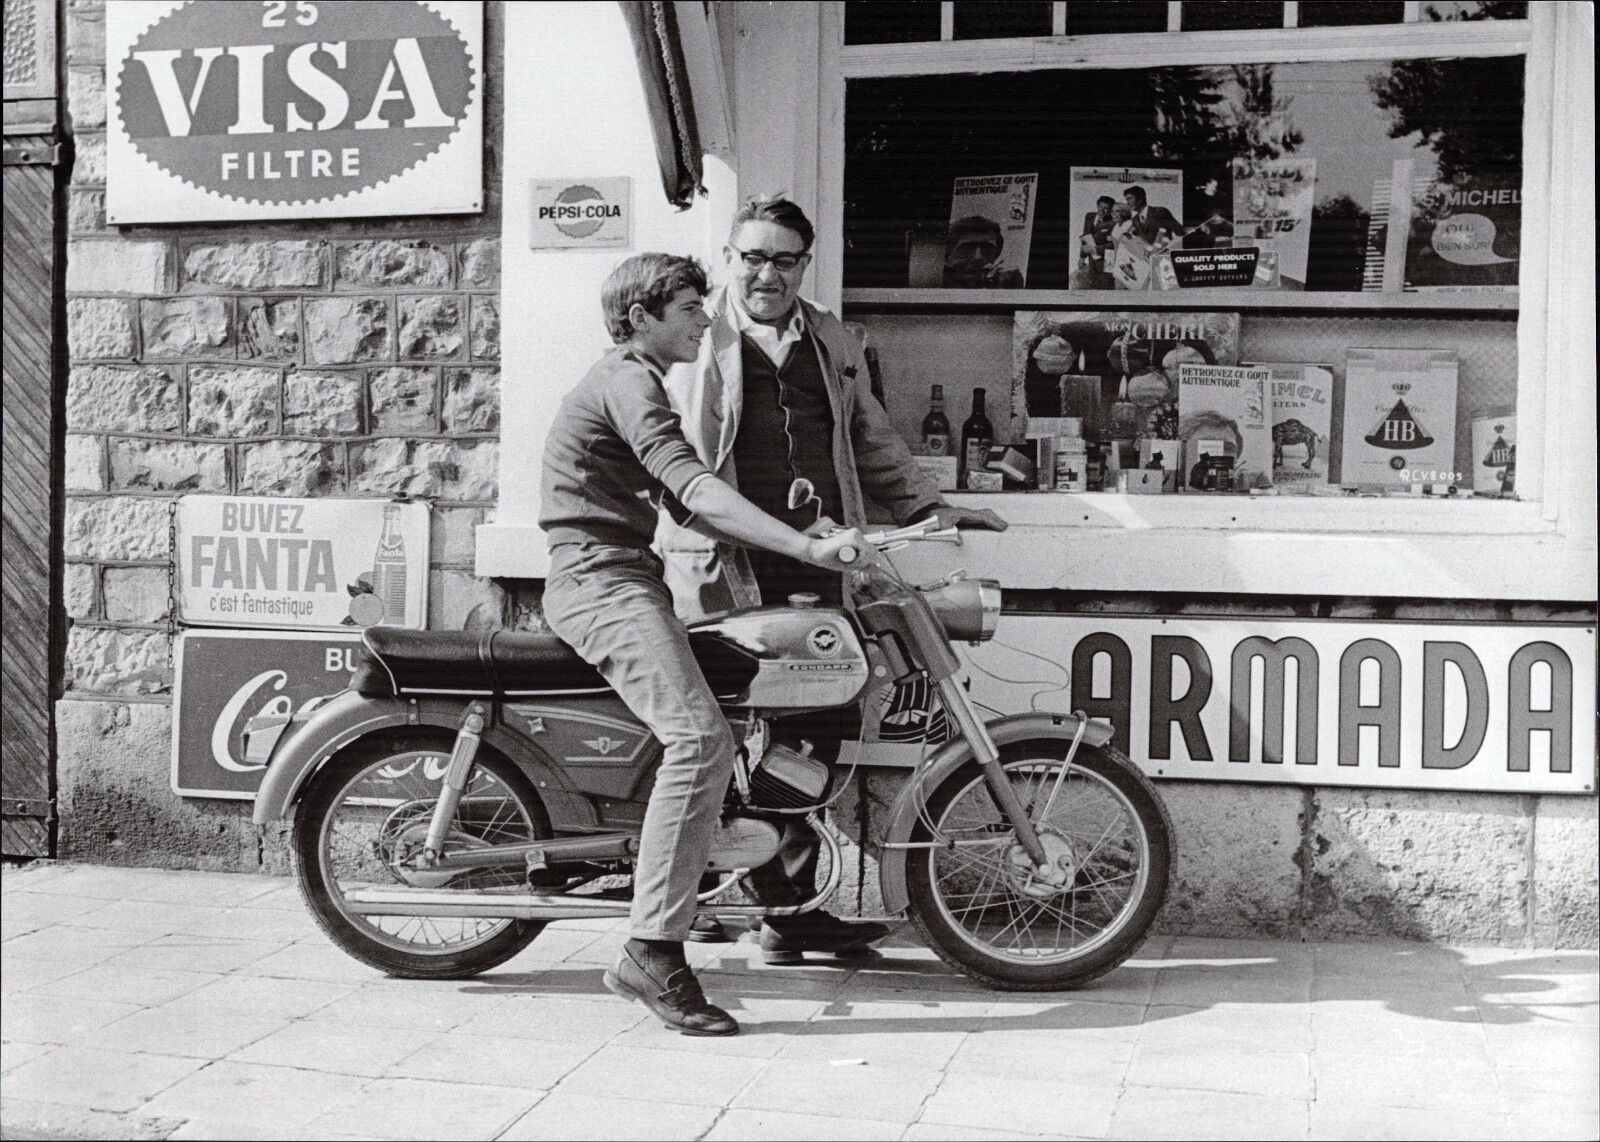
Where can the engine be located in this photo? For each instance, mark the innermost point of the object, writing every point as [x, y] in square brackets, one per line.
[789, 779]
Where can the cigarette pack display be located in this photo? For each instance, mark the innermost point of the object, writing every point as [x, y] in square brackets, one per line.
[1228, 405]
[1140, 481]
[1072, 466]
[1301, 397]
[985, 481]
[1399, 417]
[940, 469]
[1164, 454]
[1494, 455]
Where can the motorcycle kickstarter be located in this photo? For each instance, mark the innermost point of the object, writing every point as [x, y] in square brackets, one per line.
[468, 788]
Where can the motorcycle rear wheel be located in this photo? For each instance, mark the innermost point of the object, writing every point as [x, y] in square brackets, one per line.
[981, 909]
[367, 776]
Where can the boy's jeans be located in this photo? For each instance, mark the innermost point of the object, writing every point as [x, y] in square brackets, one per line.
[619, 617]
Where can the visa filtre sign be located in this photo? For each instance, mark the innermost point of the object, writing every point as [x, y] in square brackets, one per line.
[234, 109]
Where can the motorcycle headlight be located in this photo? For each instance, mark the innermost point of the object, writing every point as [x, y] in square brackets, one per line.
[969, 609]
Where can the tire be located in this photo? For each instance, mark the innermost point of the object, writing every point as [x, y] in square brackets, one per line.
[359, 937]
[1108, 770]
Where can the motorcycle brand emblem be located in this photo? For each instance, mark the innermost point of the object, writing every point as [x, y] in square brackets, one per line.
[604, 745]
[824, 642]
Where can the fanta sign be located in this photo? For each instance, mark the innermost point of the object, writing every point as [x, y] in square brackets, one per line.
[1508, 708]
[223, 109]
[582, 213]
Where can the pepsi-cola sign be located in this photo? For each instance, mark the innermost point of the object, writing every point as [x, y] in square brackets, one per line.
[221, 109]
[582, 213]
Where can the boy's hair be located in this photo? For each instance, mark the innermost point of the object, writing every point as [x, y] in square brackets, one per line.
[779, 211]
[649, 280]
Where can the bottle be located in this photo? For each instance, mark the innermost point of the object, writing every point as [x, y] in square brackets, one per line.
[389, 568]
[936, 426]
[976, 436]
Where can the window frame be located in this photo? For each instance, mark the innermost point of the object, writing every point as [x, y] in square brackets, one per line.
[1548, 534]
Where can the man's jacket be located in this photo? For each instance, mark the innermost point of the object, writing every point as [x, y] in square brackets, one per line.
[710, 574]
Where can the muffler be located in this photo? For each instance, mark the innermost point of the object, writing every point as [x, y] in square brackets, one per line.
[478, 905]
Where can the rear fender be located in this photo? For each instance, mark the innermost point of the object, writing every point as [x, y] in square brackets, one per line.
[952, 756]
[350, 716]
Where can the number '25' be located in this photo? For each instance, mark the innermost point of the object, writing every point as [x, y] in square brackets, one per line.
[273, 17]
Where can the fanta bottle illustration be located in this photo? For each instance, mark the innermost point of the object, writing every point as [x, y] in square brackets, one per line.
[389, 568]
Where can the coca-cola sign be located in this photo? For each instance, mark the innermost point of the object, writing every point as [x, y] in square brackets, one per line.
[237, 692]
[223, 109]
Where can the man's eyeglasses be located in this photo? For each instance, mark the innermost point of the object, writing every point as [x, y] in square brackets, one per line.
[755, 259]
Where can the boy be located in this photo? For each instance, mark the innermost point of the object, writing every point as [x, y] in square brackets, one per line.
[615, 452]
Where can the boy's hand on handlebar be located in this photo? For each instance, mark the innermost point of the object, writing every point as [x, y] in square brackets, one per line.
[843, 550]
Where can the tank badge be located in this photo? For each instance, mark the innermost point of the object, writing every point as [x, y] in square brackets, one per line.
[824, 642]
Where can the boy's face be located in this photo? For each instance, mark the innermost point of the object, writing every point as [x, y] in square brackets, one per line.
[674, 337]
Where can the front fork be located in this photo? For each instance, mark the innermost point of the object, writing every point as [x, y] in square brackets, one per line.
[959, 707]
[456, 776]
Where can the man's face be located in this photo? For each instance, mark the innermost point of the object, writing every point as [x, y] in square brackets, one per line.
[674, 337]
[1103, 209]
[969, 260]
[766, 292]
[1131, 201]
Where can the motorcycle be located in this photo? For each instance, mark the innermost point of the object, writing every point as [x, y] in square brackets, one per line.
[469, 788]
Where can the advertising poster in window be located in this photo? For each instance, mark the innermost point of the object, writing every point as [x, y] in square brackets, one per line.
[1399, 418]
[1466, 236]
[991, 232]
[236, 691]
[320, 564]
[1122, 216]
[1494, 455]
[1272, 202]
[1301, 399]
[1222, 411]
[220, 110]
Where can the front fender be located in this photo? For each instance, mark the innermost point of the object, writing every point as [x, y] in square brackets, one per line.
[951, 757]
[331, 727]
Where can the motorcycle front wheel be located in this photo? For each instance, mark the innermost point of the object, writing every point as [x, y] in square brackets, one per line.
[984, 907]
[367, 811]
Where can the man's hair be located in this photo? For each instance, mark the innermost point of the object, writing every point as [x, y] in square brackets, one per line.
[1107, 199]
[976, 225]
[1137, 192]
[780, 212]
[649, 280]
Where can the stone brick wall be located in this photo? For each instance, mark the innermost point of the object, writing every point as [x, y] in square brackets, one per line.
[324, 358]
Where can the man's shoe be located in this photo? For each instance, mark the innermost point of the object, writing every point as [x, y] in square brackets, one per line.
[820, 933]
[709, 930]
[676, 1000]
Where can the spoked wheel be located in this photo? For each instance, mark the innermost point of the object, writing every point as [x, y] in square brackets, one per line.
[361, 825]
[986, 909]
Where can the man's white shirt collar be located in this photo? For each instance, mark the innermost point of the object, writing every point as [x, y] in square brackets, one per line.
[771, 340]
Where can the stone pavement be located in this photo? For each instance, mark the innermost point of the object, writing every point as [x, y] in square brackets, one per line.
[141, 1003]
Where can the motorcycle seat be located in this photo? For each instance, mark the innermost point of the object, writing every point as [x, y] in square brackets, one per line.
[399, 662]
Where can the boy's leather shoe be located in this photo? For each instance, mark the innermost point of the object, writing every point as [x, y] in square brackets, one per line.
[819, 933]
[676, 1000]
[709, 930]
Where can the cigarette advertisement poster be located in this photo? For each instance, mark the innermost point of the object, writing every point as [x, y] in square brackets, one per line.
[1272, 202]
[1399, 417]
[1494, 455]
[235, 689]
[1227, 406]
[991, 231]
[315, 564]
[218, 110]
[1466, 236]
[1301, 398]
[1113, 248]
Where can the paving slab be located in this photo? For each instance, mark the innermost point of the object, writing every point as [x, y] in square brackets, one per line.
[147, 1003]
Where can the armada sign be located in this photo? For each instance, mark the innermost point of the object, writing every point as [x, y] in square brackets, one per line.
[1508, 708]
[223, 109]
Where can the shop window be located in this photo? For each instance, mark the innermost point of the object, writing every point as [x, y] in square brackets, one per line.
[999, 19]
[891, 21]
[1111, 19]
[1231, 15]
[1350, 231]
[1349, 13]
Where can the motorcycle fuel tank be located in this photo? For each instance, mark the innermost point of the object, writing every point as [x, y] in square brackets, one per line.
[807, 658]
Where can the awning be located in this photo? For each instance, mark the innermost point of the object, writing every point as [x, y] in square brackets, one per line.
[653, 25]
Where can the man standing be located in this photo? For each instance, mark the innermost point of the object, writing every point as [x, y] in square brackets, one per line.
[781, 391]
[1153, 224]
